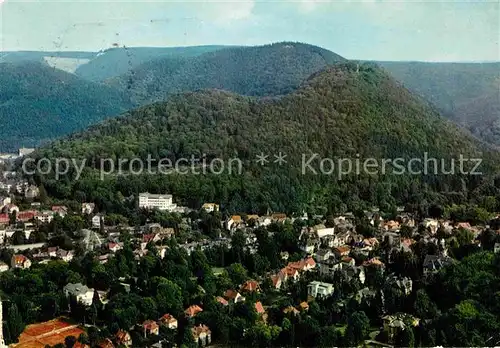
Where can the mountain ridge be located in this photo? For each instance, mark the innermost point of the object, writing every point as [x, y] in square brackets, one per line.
[382, 120]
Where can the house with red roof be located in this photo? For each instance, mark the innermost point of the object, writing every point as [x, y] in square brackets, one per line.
[261, 312]
[202, 335]
[192, 311]
[25, 216]
[222, 300]
[233, 296]
[20, 261]
[4, 219]
[150, 327]
[123, 338]
[250, 286]
[169, 321]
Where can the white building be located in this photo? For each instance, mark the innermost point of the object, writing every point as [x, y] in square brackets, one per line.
[45, 216]
[153, 201]
[319, 289]
[97, 220]
[323, 232]
[83, 294]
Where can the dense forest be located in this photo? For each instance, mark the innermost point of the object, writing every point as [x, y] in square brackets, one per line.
[39, 103]
[466, 93]
[258, 71]
[343, 111]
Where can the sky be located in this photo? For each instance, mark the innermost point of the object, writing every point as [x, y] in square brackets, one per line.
[368, 30]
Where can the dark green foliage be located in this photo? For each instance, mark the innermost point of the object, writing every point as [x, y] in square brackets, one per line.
[39, 103]
[344, 111]
[259, 71]
[465, 92]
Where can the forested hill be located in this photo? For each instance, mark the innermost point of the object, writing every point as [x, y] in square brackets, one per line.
[118, 61]
[467, 93]
[345, 110]
[39, 103]
[258, 71]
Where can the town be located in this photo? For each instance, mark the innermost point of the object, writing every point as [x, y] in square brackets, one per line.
[188, 277]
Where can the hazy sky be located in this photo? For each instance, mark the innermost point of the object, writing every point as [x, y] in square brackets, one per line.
[378, 30]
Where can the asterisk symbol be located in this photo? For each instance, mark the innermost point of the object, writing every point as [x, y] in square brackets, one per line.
[280, 158]
[262, 159]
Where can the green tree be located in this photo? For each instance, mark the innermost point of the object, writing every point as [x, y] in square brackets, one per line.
[358, 325]
[15, 322]
[70, 341]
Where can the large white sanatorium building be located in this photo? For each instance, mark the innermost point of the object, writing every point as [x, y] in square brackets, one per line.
[160, 202]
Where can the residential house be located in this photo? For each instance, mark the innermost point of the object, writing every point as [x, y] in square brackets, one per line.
[304, 306]
[210, 207]
[265, 221]
[404, 284]
[431, 224]
[88, 208]
[290, 273]
[150, 327]
[97, 221]
[202, 335]
[65, 255]
[169, 321]
[309, 247]
[11, 209]
[278, 217]
[4, 201]
[370, 243]
[52, 251]
[25, 216]
[374, 262]
[291, 310]
[342, 251]
[393, 324]
[4, 219]
[114, 247]
[284, 255]
[233, 296]
[391, 225]
[20, 261]
[45, 216]
[347, 260]
[433, 263]
[496, 248]
[103, 258]
[123, 338]
[261, 312]
[82, 293]
[277, 280]
[32, 192]
[406, 244]
[320, 289]
[323, 255]
[151, 238]
[222, 300]
[253, 219]
[60, 210]
[355, 273]
[330, 266]
[3, 267]
[250, 286]
[233, 222]
[192, 311]
[322, 231]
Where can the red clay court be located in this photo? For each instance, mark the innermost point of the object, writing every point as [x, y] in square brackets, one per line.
[51, 332]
